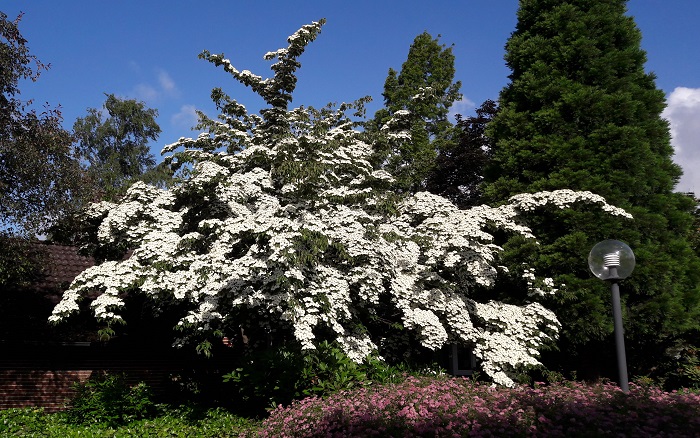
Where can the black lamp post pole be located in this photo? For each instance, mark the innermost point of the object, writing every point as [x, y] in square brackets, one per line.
[619, 331]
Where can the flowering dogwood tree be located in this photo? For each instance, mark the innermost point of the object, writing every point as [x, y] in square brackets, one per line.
[285, 225]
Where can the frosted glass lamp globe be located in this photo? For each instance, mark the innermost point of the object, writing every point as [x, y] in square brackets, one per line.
[611, 260]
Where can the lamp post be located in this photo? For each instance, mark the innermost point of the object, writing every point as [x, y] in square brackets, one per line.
[611, 261]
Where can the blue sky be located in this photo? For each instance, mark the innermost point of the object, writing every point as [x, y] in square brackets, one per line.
[148, 50]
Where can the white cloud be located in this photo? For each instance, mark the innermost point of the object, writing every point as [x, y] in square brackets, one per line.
[683, 113]
[145, 92]
[186, 118]
[166, 82]
[462, 106]
[151, 94]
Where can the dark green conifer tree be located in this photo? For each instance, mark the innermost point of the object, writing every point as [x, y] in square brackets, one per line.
[580, 112]
[425, 88]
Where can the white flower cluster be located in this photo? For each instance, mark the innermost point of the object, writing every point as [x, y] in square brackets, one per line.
[538, 287]
[563, 199]
[293, 228]
[511, 336]
[397, 128]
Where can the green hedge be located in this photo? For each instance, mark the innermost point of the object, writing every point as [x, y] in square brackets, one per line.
[33, 422]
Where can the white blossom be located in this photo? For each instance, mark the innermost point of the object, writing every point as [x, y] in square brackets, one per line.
[231, 237]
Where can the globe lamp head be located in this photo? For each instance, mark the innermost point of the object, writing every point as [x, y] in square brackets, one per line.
[611, 260]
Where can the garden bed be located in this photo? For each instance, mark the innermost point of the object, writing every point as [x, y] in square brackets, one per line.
[418, 407]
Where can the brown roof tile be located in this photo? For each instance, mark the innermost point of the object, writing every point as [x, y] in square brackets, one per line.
[63, 264]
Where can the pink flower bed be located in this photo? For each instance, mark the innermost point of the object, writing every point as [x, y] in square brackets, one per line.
[446, 407]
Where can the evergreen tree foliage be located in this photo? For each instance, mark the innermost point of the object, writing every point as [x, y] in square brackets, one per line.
[425, 88]
[284, 234]
[580, 112]
[695, 236]
[459, 169]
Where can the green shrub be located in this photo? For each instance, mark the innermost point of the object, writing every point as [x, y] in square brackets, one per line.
[327, 369]
[685, 369]
[109, 400]
[679, 368]
[264, 379]
[278, 376]
[216, 423]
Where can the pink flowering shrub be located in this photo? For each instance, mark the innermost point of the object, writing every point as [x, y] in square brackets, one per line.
[421, 407]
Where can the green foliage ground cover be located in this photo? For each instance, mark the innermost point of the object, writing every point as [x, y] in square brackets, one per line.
[178, 423]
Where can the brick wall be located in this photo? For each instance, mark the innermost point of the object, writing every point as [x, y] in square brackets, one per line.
[44, 377]
[50, 389]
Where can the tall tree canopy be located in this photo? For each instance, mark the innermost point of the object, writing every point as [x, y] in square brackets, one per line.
[285, 229]
[580, 112]
[115, 144]
[459, 170]
[426, 90]
[39, 174]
